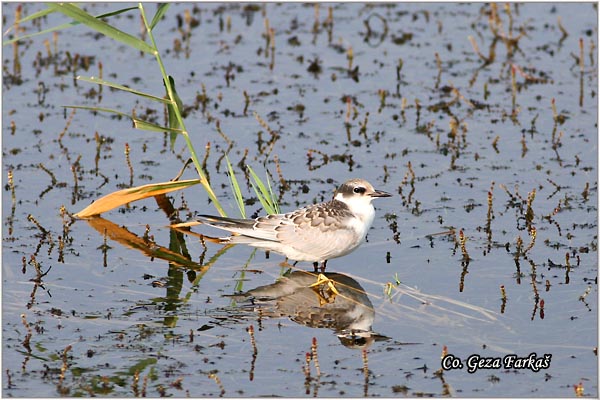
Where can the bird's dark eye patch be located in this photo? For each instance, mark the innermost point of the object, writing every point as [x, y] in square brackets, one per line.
[359, 190]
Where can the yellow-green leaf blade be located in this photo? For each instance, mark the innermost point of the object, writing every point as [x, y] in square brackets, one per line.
[93, 79]
[78, 14]
[235, 187]
[265, 195]
[122, 197]
[139, 123]
[149, 126]
[162, 9]
[61, 27]
[172, 110]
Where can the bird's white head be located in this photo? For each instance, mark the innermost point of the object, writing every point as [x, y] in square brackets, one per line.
[357, 194]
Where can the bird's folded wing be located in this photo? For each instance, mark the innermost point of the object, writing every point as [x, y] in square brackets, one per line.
[319, 240]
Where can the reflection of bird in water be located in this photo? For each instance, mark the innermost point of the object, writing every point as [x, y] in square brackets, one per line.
[314, 233]
[336, 302]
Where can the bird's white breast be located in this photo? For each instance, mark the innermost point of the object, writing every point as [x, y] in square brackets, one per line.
[364, 212]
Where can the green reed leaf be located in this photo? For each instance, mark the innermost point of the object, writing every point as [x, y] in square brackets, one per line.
[235, 188]
[98, 25]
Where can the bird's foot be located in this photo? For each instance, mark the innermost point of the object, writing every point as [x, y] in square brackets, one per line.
[325, 289]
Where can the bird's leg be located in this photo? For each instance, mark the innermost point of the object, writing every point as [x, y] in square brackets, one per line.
[323, 266]
[316, 266]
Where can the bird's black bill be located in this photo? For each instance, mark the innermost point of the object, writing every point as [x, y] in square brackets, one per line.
[380, 193]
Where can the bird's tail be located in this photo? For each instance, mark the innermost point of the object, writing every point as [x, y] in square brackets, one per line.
[225, 222]
[242, 230]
